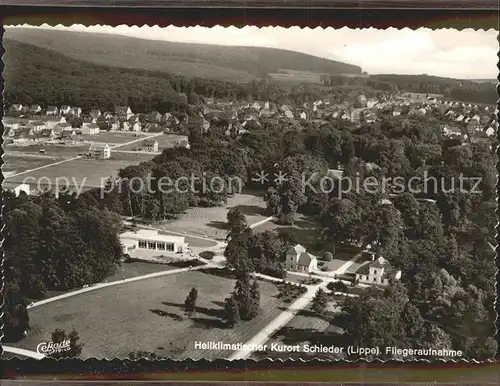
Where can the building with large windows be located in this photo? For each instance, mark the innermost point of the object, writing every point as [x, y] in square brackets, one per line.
[145, 239]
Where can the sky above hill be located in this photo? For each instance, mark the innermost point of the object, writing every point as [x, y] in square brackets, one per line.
[450, 53]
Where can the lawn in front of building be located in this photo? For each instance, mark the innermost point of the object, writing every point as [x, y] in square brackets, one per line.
[148, 315]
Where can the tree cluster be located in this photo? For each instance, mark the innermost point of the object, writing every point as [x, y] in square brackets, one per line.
[53, 244]
[244, 302]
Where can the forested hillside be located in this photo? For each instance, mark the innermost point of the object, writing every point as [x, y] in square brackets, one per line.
[37, 75]
[191, 60]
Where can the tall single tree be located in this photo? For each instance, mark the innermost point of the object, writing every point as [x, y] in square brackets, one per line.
[319, 302]
[236, 221]
[190, 302]
[231, 311]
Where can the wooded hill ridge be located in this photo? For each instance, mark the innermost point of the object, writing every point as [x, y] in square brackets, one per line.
[234, 63]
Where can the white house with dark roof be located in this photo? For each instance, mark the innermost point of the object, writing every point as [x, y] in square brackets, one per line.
[378, 271]
[64, 110]
[35, 109]
[95, 113]
[52, 110]
[76, 111]
[90, 129]
[100, 150]
[151, 145]
[123, 112]
[298, 259]
[17, 108]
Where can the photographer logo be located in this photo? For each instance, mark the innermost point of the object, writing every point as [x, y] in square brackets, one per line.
[49, 348]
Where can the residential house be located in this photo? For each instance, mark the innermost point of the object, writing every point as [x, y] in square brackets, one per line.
[90, 129]
[490, 131]
[35, 109]
[256, 106]
[64, 110]
[17, 108]
[396, 112]
[377, 271]
[298, 259]
[152, 127]
[114, 126]
[52, 110]
[107, 115]
[151, 145]
[68, 132]
[125, 126]
[47, 134]
[155, 116]
[123, 112]
[37, 126]
[198, 123]
[14, 125]
[23, 134]
[16, 187]
[95, 113]
[460, 118]
[474, 125]
[100, 150]
[303, 115]
[76, 112]
[51, 123]
[136, 126]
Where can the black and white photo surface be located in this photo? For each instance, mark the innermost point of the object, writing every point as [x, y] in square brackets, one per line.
[226, 193]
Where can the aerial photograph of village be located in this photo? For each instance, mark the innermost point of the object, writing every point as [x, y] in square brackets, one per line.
[224, 193]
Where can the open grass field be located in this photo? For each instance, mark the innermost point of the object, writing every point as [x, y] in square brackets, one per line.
[148, 315]
[211, 222]
[305, 231]
[112, 137]
[64, 151]
[136, 268]
[80, 172]
[165, 141]
[14, 164]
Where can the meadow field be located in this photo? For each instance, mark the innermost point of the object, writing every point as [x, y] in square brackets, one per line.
[17, 164]
[112, 137]
[148, 315]
[165, 141]
[304, 231]
[79, 172]
[212, 222]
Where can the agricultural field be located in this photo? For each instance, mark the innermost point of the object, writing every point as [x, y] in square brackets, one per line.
[150, 317]
[212, 222]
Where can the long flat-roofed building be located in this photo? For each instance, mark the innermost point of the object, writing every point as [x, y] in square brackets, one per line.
[151, 240]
